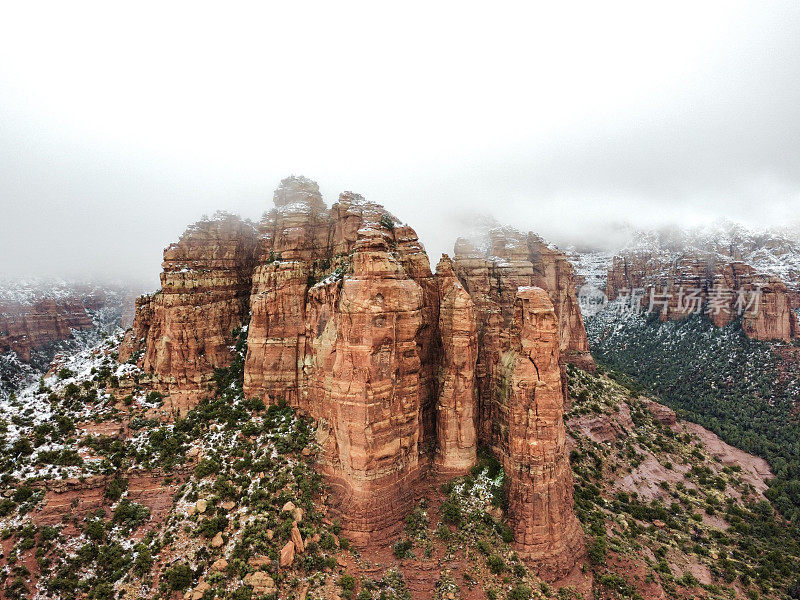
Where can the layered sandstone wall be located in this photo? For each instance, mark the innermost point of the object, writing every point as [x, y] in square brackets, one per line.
[185, 331]
[371, 392]
[24, 327]
[36, 314]
[458, 401]
[553, 272]
[724, 291]
[343, 325]
[546, 529]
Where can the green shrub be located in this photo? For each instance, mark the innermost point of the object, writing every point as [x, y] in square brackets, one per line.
[115, 488]
[496, 564]
[451, 512]
[444, 533]
[206, 467]
[130, 514]
[402, 549]
[387, 221]
[597, 550]
[65, 373]
[348, 584]
[179, 577]
[520, 592]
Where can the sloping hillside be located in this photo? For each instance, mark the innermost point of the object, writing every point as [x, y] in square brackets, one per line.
[672, 511]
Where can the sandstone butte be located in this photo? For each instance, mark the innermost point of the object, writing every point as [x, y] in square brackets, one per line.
[772, 317]
[406, 371]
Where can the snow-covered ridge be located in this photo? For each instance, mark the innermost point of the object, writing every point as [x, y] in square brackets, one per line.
[773, 252]
[29, 290]
[769, 251]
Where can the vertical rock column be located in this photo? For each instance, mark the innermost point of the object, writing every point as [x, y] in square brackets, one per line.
[546, 531]
[554, 273]
[374, 391]
[457, 403]
[473, 272]
[295, 234]
[415, 262]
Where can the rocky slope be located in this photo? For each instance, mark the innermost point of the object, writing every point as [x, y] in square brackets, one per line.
[671, 510]
[406, 371]
[745, 390]
[102, 499]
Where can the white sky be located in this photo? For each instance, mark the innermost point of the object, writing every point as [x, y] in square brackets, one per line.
[121, 124]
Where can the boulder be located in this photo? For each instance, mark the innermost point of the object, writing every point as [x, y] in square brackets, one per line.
[287, 555]
[297, 538]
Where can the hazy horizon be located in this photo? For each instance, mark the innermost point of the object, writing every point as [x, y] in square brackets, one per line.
[575, 121]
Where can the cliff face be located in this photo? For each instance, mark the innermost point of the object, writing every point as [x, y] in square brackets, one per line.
[36, 314]
[458, 401]
[369, 389]
[185, 330]
[26, 327]
[723, 290]
[553, 272]
[402, 369]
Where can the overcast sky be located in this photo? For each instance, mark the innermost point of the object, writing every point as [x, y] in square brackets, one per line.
[122, 123]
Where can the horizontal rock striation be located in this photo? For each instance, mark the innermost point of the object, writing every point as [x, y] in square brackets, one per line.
[535, 453]
[26, 327]
[406, 371]
[184, 331]
[724, 291]
[35, 315]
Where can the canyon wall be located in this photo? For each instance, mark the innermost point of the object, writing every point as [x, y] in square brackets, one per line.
[406, 372]
[36, 314]
[540, 493]
[723, 290]
[24, 328]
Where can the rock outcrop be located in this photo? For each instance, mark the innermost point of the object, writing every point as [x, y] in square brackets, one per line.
[405, 371]
[186, 329]
[26, 327]
[456, 408]
[37, 314]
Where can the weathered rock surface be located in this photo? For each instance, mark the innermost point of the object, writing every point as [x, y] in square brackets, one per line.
[724, 291]
[535, 452]
[186, 329]
[36, 315]
[492, 276]
[401, 368]
[456, 408]
[26, 327]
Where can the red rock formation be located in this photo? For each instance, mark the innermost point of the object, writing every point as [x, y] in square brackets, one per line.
[722, 290]
[555, 274]
[26, 327]
[187, 326]
[396, 365]
[535, 458]
[312, 344]
[371, 391]
[457, 404]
